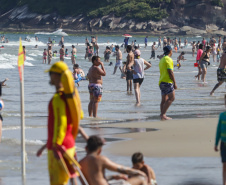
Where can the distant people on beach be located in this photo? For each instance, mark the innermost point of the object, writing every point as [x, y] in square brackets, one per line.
[94, 165]
[24, 50]
[62, 53]
[73, 54]
[221, 73]
[45, 54]
[167, 82]
[127, 69]
[50, 54]
[199, 54]
[160, 43]
[204, 62]
[138, 73]
[107, 54]
[179, 58]
[146, 42]
[118, 63]
[95, 84]
[153, 48]
[126, 42]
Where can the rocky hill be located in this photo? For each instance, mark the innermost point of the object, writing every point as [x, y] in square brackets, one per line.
[156, 17]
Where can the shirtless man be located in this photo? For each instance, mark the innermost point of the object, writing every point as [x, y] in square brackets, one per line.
[73, 55]
[221, 73]
[160, 43]
[62, 40]
[129, 73]
[118, 63]
[94, 165]
[164, 42]
[95, 85]
[62, 53]
[153, 51]
[96, 49]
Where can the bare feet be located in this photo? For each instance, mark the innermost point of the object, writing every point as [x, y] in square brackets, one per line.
[211, 93]
[164, 117]
[137, 104]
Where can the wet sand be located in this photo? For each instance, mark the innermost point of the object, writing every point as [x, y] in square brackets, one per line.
[174, 138]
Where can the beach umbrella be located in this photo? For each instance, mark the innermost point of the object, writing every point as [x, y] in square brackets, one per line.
[127, 35]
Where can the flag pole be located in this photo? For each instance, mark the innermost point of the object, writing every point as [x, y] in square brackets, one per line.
[22, 123]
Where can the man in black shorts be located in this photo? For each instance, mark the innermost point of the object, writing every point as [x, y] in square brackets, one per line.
[153, 51]
[129, 72]
[221, 73]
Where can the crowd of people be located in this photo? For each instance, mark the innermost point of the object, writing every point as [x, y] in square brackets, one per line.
[93, 165]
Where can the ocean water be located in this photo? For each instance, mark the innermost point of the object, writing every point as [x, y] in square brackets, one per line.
[192, 100]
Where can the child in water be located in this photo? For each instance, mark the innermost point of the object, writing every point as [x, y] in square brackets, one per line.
[66, 52]
[180, 57]
[44, 56]
[138, 163]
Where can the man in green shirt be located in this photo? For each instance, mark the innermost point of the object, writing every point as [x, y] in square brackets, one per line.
[167, 82]
[221, 136]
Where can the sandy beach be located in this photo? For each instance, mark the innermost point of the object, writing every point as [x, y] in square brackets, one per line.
[174, 138]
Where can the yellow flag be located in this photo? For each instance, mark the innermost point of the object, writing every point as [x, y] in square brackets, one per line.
[20, 55]
[20, 60]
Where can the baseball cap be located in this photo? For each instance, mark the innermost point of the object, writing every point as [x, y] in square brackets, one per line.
[167, 50]
[137, 52]
[58, 67]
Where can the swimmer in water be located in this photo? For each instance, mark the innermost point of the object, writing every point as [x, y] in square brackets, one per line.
[73, 55]
[118, 63]
[62, 53]
[44, 56]
[153, 51]
[180, 57]
[78, 71]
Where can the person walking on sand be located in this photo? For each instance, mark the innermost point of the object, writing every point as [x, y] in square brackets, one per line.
[167, 82]
[95, 85]
[221, 73]
[118, 63]
[129, 73]
[138, 73]
[73, 55]
[221, 136]
[93, 166]
[199, 54]
[204, 62]
[62, 53]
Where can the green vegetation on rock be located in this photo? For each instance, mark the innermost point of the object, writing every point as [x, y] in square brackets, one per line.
[217, 3]
[136, 9]
[131, 9]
